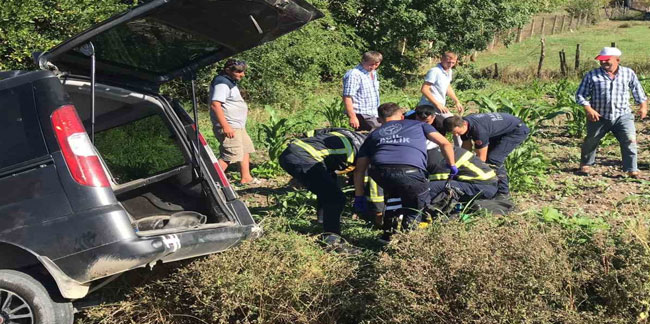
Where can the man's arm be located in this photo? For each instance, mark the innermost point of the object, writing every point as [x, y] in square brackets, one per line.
[467, 145]
[221, 118]
[584, 91]
[359, 174]
[639, 95]
[426, 92]
[445, 147]
[643, 109]
[452, 95]
[481, 153]
[349, 110]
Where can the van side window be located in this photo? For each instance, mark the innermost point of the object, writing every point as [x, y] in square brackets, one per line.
[20, 133]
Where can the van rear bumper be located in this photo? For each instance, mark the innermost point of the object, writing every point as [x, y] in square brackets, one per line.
[121, 256]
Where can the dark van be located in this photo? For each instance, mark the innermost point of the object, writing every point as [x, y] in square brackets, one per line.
[99, 173]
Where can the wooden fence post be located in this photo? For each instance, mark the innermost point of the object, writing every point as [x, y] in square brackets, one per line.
[563, 20]
[554, 24]
[496, 70]
[532, 28]
[613, 44]
[571, 23]
[577, 63]
[541, 59]
[543, 25]
[562, 62]
[519, 32]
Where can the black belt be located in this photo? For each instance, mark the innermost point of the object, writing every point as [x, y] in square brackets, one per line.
[404, 167]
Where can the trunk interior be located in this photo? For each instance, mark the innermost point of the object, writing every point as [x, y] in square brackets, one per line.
[149, 167]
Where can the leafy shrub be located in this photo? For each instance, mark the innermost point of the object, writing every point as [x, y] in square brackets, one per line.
[281, 278]
[468, 77]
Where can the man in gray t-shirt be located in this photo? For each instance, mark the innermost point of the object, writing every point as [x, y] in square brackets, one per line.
[228, 112]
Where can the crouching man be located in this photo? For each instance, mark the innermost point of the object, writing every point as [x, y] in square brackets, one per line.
[398, 155]
[495, 135]
[315, 161]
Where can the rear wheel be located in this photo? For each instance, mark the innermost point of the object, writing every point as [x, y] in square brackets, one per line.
[24, 300]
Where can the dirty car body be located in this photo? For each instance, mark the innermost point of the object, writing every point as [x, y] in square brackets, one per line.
[84, 210]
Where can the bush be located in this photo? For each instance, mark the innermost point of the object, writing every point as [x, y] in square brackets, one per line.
[280, 278]
[514, 271]
[468, 77]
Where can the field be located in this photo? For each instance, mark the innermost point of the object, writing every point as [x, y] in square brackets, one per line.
[575, 250]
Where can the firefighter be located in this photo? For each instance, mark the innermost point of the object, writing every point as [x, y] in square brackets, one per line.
[475, 180]
[315, 162]
[495, 135]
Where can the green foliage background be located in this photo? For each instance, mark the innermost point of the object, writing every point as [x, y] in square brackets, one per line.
[294, 65]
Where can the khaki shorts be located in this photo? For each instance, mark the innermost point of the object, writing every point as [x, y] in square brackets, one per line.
[233, 149]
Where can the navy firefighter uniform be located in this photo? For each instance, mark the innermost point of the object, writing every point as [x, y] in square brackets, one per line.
[501, 133]
[397, 154]
[315, 161]
[475, 178]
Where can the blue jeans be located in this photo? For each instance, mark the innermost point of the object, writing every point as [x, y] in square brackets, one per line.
[624, 131]
[408, 183]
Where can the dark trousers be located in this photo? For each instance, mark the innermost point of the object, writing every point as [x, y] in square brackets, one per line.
[470, 190]
[498, 151]
[408, 183]
[367, 122]
[330, 200]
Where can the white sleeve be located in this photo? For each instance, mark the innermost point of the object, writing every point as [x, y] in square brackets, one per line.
[220, 93]
[432, 76]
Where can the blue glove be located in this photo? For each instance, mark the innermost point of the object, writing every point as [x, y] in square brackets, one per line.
[360, 204]
[453, 171]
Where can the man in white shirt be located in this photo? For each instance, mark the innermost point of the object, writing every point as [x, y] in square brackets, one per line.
[437, 86]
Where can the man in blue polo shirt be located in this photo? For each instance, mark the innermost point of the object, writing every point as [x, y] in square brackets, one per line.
[495, 135]
[397, 152]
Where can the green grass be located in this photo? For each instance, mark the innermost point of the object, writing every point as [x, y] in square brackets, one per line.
[632, 41]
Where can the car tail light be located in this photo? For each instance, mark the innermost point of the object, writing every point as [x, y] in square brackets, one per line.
[79, 153]
[215, 161]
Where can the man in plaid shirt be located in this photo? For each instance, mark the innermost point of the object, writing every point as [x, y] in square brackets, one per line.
[605, 94]
[361, 92]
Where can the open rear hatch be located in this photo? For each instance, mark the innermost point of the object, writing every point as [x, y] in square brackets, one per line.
[164, 39]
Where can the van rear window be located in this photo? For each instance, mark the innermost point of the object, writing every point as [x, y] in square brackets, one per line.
[139, 149]
[20, 133]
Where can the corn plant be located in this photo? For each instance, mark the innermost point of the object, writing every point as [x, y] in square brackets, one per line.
[564, 92]
[529, 112]
[334, 112]
[526, 166]
[276, 133]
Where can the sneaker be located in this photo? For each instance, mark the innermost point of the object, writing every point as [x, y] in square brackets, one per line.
[336, 244]
[634, 174]
[584, 170]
